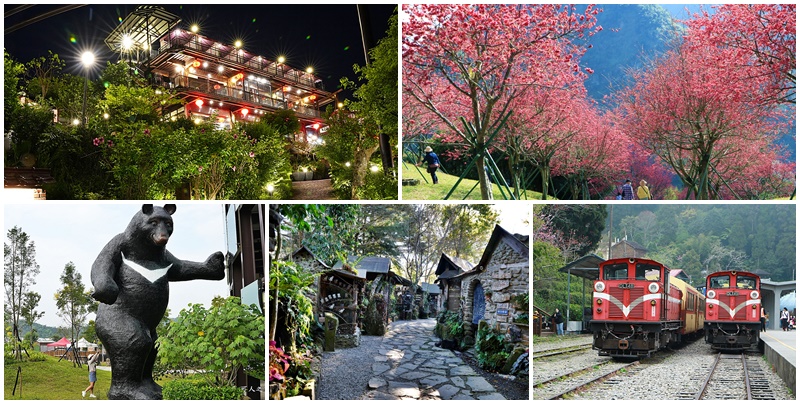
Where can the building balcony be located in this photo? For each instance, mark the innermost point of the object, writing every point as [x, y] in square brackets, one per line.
[178, 41]
[236, 96]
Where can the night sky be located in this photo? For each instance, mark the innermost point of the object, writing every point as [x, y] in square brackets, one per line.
[326, 37]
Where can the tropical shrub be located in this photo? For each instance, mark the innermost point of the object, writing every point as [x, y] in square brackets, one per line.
[220, 340]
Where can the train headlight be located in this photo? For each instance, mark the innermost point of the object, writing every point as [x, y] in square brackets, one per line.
[755, 307]
[599, 311]
[599, 286]
[652, 302]
[710, 306]
[653, 287]
[754, 294]
[711, 294]
[599, 301]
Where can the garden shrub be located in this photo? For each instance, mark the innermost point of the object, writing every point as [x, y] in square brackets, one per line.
[373, 318]
[185, 389]
[490, 348]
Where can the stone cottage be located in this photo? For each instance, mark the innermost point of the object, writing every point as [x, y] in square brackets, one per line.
[448, 268]
[380, 269]
[487, 290]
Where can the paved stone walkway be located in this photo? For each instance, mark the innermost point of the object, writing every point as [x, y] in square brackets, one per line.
[312, 190]
[408, 365]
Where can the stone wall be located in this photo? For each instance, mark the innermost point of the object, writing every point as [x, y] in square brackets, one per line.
[348, 340]
[506, 275]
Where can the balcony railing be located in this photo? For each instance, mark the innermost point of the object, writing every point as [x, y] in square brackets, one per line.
[225, 93]
[183, 40]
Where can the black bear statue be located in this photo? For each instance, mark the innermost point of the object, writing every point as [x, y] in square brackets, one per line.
[131, 281]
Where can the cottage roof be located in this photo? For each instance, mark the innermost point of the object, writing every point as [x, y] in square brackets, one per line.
[448, 263]
[680, 274]
[303, 250]
[517, 242]
[431, 288]
[368, 267]
[633, 244]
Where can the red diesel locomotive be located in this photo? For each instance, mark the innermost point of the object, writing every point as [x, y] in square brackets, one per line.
[733, 310]
[638, 308]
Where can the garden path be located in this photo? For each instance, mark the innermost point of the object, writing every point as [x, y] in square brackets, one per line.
[312, 190]
[403, 364]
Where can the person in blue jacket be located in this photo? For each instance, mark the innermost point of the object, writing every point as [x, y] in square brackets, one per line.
[433, 163]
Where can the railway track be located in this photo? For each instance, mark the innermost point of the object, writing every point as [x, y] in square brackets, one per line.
[563, 385]
[559, 351]
[732, 377]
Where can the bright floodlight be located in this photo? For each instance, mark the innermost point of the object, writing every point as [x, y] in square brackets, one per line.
[87, 58]
[270, 188]
[237, 44]
[195, 28]
[127, 42]
[374, 169]
[281, 59]
[309, 70]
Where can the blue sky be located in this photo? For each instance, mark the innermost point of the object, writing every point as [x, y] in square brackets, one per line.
[77, 231]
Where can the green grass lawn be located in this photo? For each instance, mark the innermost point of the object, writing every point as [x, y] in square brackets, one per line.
[54, 380]
[428, 191]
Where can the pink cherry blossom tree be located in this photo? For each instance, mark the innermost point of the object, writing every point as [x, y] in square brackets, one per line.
[467, 64]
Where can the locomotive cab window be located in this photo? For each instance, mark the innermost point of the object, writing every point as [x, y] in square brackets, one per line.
[720, 282]
[648, 272]
[745, 282]
[613, 272]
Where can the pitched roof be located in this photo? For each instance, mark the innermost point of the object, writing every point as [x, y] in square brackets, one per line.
[633, 244]
[517, 242]
[304, 249]
[431, 288]
[367, 267]
[447, 262]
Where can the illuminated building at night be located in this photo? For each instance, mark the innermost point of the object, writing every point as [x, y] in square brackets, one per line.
[216, 80]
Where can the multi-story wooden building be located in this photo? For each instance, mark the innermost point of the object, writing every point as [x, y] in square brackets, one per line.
[218, 81]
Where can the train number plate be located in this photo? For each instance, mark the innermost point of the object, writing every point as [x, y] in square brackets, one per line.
[732, 293]
[626, 286]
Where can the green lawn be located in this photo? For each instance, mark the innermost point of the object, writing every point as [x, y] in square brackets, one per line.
[428, 191]
[54, 380]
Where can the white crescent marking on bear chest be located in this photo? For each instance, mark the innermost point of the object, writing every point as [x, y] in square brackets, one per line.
[151, 275]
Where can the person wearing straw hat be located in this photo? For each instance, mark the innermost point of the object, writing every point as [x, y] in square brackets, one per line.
[643, 192]
[433, 163]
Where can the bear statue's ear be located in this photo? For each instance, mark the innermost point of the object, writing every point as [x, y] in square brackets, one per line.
[170, 208]
[147, 209]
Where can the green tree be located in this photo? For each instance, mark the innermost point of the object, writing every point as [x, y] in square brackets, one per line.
[12, 74]
[29, 304]
[219, 340]
[377, 97]
[349, 146]
[579, 228]
[44, 72]
[20, 270]
[90, 332]
[74, 302]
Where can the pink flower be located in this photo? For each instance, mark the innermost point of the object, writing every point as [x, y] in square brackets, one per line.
[252, 155]
[147, 131]
[233, 168]
[200, 169]
[96, 142]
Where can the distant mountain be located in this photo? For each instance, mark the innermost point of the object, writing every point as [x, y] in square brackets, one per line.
[43, 331]
[631, 33]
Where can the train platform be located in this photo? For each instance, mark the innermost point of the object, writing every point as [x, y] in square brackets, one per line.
[780, 349]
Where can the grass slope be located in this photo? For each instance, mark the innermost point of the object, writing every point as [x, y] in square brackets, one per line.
[53, 380]
[428, 191]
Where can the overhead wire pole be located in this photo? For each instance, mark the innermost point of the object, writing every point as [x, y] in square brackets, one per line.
[367, 43]
[38, 18]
